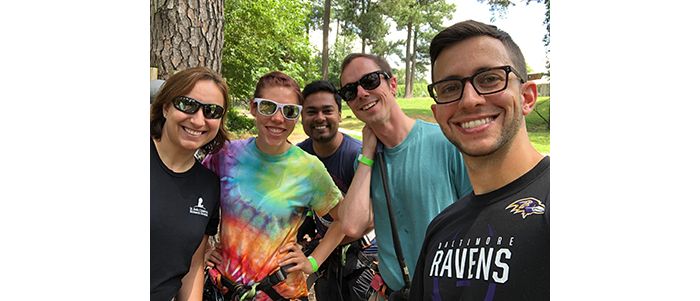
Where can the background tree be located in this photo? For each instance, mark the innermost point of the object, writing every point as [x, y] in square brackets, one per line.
[315, 17]
[499, 8]
[420, 60]
[386, 48]
[326, 29]
[319, 18]
[365, 19]
[263, 36]
[545, 39]
[421, 19]
[186, 34]
[341, 48]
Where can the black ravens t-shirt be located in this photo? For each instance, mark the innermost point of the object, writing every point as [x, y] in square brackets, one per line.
[184, 207]
[493, 246]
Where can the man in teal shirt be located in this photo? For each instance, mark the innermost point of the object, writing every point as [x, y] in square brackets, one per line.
[425, 172]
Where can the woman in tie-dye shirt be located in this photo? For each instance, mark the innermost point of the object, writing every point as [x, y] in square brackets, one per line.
[267, 184]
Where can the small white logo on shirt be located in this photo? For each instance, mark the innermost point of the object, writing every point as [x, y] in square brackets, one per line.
[199, 209]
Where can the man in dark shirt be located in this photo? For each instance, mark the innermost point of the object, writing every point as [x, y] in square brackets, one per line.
[321, 115]
[493, 244]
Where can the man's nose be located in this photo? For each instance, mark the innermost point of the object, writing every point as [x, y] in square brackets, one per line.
[470, 98]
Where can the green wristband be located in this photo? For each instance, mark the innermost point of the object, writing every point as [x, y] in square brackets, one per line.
[314, 264]
[364, 160]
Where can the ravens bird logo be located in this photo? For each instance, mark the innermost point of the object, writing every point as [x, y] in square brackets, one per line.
[526, 207]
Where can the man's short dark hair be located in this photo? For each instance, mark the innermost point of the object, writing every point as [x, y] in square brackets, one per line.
[321, 86]
[469, 29]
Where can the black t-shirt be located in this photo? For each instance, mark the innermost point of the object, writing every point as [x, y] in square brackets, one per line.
[184, 207]
[493, 246]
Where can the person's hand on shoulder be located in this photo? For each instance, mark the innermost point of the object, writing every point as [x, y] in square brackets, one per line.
[369, 142]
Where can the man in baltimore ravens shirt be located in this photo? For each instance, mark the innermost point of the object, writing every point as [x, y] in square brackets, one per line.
[494, 243]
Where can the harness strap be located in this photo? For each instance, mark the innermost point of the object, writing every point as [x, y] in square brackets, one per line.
[244, 292]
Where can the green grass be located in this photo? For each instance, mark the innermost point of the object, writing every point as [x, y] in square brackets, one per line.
[535, 122]
[540, 140]
[538, 127]
[419, 108]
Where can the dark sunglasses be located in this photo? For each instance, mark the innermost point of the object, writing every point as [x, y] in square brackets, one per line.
[190, 106]
[369, 81]
[268, 108]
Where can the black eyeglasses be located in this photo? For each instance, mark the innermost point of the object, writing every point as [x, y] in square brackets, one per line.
[369, 81]
[269, 107]
[190, 106]
[489, 81]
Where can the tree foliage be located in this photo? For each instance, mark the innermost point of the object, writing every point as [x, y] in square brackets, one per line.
[314, 20]
[421, 19]
[341, 48]
[365, 19]
[500, 8]
[262, 36]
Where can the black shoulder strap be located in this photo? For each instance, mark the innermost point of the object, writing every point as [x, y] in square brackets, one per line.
[392, 221]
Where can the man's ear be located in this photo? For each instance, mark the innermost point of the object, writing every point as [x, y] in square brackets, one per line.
[529, 97]
[393, 84]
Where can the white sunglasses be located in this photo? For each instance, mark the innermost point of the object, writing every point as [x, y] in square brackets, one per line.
[269, 107]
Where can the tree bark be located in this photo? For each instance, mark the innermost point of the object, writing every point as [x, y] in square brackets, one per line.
[326, 25]
[186, 34]
[408, 92]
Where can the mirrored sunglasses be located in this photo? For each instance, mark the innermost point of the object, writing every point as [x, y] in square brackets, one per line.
[268, 108]
[190, 106]
[369, 81]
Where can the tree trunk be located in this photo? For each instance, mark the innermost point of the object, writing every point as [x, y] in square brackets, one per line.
[186, 34]
[363, 11]
[408, 92]
[413, 63]
[337, 30]
[326, 25]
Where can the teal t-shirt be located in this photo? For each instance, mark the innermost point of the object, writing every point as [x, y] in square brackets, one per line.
[426, 173]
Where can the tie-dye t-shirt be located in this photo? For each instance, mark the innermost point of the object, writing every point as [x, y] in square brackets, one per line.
[263, 202]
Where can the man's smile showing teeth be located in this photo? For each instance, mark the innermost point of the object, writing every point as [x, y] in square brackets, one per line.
[320, 127]
[476, 123]
[368, 106]
[192, 132]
